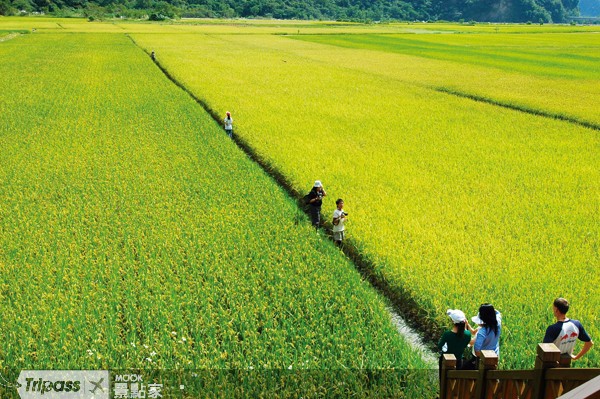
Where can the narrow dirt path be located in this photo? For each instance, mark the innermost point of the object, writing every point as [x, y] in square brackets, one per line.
[404, 312]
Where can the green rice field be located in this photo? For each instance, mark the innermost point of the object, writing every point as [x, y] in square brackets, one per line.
[134, 234]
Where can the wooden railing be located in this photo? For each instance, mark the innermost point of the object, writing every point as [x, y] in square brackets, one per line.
[549, 379]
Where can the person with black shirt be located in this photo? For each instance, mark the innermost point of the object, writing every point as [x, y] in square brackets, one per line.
[315, 200]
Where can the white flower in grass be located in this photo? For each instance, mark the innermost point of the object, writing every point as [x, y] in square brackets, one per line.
[90, 352]
[149, 360]
[173, 333]
[290, 367]
[133, 344]
[146, 346]
[153, 354]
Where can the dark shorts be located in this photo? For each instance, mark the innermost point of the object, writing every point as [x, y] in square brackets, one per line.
[315, 216]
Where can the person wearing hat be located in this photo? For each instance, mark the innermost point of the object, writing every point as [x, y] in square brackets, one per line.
[484, 337]
[315, 200]
[565, 332]
[488, 334]
[456, 340]
[228, 121]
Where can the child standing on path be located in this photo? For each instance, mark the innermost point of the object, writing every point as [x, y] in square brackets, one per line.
[339, 219]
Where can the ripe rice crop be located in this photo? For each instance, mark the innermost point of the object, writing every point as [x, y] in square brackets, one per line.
[555, 74]
[456, 202]
[135, 234]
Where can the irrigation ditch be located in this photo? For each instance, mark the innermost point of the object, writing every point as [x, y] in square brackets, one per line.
[516, 107]
[408, 317]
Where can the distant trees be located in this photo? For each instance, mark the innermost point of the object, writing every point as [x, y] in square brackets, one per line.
[375, 10]
[504, 10]
[6, 7]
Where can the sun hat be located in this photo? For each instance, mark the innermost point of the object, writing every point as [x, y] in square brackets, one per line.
[318, 183]
[456, 315]
[487, 312]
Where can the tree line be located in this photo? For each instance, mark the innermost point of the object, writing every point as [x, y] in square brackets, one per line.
[350, 10]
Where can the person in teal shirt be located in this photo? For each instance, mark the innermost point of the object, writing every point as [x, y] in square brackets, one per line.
[456, 340]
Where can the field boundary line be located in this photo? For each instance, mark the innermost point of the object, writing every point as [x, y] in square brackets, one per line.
[9, 37]
[265, 165]
[400, 299]
[446, 90]
[516, 107]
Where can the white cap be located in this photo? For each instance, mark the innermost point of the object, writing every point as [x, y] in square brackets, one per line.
[318, 183]
[456, 315]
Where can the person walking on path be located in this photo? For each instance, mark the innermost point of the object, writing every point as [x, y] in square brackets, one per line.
[228, 122]
[456, 340]
[339, 219]
[315, 200]
[565, 332]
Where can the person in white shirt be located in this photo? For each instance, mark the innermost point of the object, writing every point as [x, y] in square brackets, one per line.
[566, 332]
[339, 219]
[228, 122]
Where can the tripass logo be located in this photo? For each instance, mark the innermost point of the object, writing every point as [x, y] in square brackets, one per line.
[67, 384]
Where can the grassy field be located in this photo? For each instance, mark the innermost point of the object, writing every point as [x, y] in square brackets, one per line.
[135, 235]
[456, 202]
[554, 74]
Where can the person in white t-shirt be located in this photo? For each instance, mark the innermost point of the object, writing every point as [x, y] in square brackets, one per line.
[228, 122]
[566, 332]
[339, 219]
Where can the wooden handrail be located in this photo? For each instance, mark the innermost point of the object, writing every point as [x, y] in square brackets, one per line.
[547, 380]
[589, 390]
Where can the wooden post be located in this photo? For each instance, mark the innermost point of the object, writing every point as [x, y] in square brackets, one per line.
[488, 360]
[448, 363]
[548, 356]
[565, 360]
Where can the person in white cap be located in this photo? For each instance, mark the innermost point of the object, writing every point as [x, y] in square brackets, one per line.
[315, 200]
[456, 340]
[228, 122]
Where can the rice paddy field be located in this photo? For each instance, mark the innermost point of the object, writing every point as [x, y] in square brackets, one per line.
[456, 202]
[468, 158]
[135, 235]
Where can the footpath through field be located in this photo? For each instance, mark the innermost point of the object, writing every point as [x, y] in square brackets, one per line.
[136, 235]
[454, 202]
